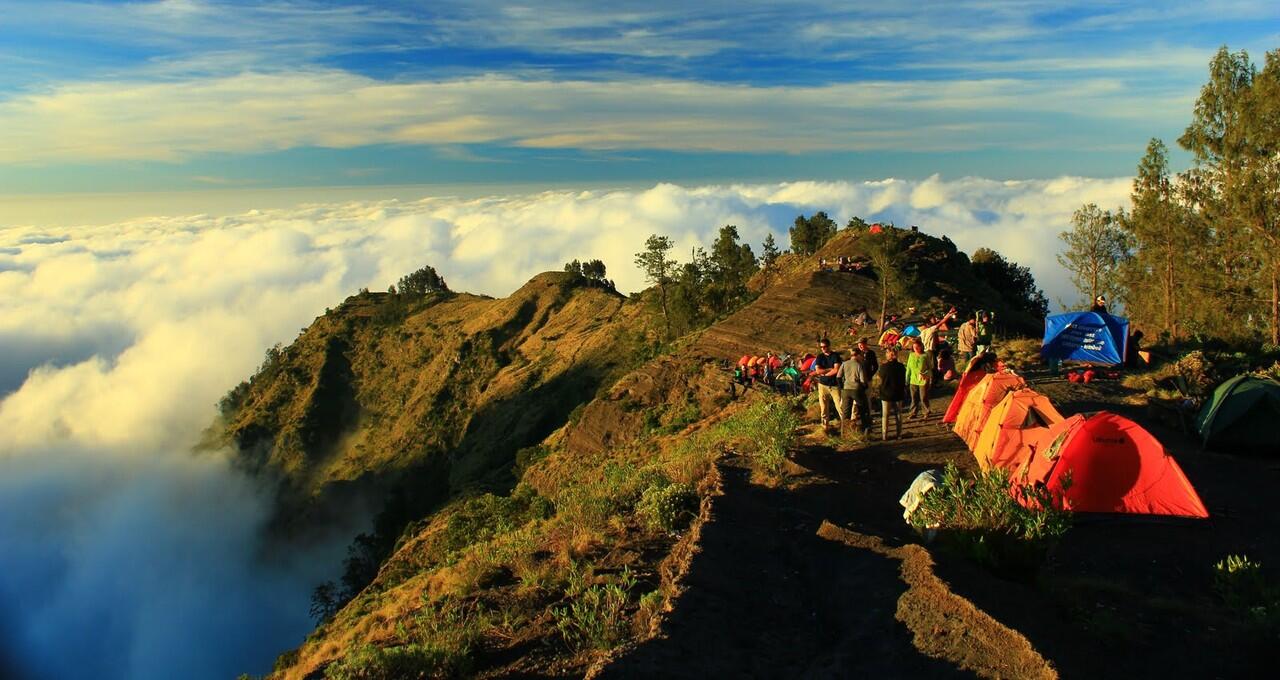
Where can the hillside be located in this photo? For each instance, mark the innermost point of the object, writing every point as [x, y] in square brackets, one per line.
[506, 584]
[436, 393]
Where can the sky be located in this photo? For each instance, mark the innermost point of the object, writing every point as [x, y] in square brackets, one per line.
[188, 94]
[185, 183]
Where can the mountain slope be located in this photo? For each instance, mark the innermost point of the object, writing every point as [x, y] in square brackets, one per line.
[441, 390]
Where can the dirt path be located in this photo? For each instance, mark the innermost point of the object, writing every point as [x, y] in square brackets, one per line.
[821, 577]
[808, 579]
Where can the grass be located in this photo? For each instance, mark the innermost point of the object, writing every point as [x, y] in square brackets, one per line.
[596, 617]
[1005, 528]
[1244, 589]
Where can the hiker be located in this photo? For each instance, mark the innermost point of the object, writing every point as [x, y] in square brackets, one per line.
[966, 338]
[1099, 305]
[946, 364]
[767, 373]
[1131, 359]
[893, 389]
[868, 358]
[825, 367]
[984, 334]
[919, 373]
[853, 391]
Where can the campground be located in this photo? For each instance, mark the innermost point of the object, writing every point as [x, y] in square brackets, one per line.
[820, 576]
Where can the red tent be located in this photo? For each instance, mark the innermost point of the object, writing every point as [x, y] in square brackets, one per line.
[1115, 466]
[806, 362]
[876, 228]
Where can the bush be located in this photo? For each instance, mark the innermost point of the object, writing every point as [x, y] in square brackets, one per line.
[1244, 588]
[981, 516]
[393, 663]
[597, 619]
[768, 431]
[667, 507]
[486, 516]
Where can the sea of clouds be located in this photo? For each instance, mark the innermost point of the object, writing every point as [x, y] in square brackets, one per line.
[125, 555]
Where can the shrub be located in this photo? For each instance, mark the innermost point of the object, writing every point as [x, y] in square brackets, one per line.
[1243, 587]
[767, 430]
[982, 516]
[596, 619]
[486, 516]
[667, 507]
[393, 663]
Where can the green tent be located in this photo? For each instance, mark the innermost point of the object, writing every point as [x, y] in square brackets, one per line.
[1244, 412]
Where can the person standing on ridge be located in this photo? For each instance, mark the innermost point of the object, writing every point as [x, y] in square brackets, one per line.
[984, 334]
[853, 395]
[966, 339]
[825, 367]
[893, 389]
[868, 358]
[919, 373]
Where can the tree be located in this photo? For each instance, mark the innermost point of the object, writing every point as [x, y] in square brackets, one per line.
[658, 268]
[889, 261]
[731, 266]
[594, 271]
[422, 282]
[1234, 136]
[1014, 283]
[1096, 249]
[809, 234]
[857, 223]
[769, 253]
[1165, 236]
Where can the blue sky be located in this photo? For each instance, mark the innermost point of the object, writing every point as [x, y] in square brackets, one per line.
[189, 94]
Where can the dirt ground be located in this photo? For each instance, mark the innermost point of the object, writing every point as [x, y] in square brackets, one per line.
[821, 577]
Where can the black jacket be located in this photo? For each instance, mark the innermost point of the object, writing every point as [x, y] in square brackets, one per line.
[893, 381]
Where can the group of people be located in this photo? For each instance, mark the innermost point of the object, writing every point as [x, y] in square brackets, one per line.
[842, 264]
[906, 375]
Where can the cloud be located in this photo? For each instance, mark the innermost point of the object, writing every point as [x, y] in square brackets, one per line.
[123, 554]
[256, 112]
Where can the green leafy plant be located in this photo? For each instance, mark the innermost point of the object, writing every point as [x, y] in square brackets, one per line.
[1243, 587]
[597, 618]
[1006, 527]
[667, 507]
[407, 662]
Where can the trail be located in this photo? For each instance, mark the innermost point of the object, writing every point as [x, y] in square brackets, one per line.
[818, 578]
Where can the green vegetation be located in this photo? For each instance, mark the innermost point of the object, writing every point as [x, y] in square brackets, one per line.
[1197, 254]
[422, 282]
[979, 516]
[1096, 250]
[591, 271]
[766, 431]
[596, 618]
[1015, 283]
[808, 234]
[667, 507]
[1245, 590]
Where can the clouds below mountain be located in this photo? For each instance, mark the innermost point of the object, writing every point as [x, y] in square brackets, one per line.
[123, 554]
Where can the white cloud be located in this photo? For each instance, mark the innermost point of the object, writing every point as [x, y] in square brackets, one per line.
[120, 338]
[255, 112]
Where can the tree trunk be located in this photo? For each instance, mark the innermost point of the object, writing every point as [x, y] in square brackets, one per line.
[662, 290]
[1275, 304]
[884, 304]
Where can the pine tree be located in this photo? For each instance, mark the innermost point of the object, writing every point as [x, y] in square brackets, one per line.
[1235, 138]
[1096, 249]
[658, 269]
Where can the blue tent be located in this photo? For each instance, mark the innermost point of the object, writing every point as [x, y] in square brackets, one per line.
[1094, 337]
[911, 331]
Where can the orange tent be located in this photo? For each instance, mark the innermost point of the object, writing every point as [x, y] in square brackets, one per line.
[1115, 466]
[968, 381]
[979, 402]
[1017, 421]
